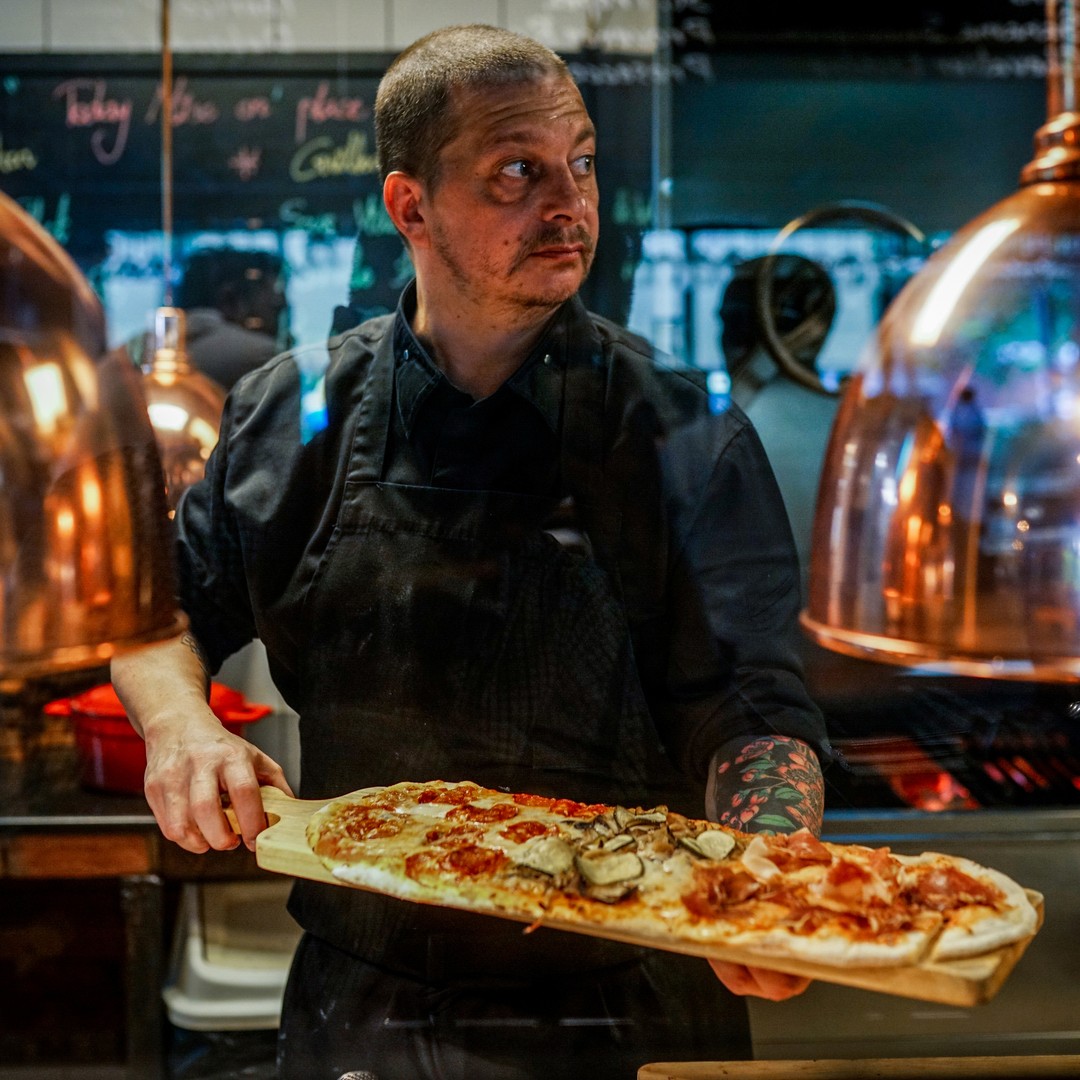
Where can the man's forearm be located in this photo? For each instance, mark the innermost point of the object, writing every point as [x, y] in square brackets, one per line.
[159, 678]
[768, 784]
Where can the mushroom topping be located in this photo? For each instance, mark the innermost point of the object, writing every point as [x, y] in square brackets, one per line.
[603, 867]
[618, 842]
[609, 875]
[710, 844]
[546, 854]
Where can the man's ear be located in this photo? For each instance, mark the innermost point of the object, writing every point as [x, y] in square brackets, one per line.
[403, 196]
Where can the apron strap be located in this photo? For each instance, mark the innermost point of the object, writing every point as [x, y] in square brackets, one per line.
[373, 416]
[584, 392]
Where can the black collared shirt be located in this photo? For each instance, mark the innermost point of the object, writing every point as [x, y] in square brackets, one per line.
[443, 437]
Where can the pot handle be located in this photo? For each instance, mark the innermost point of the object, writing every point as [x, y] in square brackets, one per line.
[246, 714]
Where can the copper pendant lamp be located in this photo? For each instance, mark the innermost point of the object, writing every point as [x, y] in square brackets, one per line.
[947, 528]
[85, 561]
[184, 405]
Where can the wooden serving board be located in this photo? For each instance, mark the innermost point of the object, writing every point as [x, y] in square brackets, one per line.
[937, 1068]
[283, 849]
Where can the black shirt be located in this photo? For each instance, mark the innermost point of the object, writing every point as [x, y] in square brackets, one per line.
[505, 442]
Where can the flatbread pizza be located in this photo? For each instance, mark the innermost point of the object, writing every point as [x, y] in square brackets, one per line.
[656, 877]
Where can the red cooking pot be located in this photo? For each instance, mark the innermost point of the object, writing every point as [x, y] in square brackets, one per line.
[112, 756]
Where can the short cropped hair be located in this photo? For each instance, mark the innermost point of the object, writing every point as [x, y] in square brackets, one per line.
[414, 108]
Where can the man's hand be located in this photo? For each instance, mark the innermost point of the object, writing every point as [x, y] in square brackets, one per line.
[758, 982]
[192, 760]
[190, 764]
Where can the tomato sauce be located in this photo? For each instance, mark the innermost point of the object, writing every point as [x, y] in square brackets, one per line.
[454, 796]
[485, 814]
[466, 861]
[521, 831]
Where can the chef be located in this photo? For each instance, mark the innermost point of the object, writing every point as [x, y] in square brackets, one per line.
[504, 545]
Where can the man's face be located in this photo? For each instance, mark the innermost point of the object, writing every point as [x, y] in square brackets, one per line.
[513, 217]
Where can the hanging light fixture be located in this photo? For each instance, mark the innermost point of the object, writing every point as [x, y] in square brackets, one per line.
[947, 528]
[85, 563]
[184, 405]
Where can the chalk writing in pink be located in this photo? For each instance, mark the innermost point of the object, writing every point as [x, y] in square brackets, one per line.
[186, 108]
[252, 108]
[323, 107]
[245, 162]
[86, 105]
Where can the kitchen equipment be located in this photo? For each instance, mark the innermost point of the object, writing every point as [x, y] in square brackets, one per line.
[85, 561]
[183, 404]
[231, 955]
[948, 512]
[283, 848]
[112, 756]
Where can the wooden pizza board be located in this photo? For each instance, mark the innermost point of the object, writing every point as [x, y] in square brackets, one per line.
[1014, 1067]
[283, 848]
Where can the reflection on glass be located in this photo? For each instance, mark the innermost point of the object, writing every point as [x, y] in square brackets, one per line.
[184, 407]
[947, 529]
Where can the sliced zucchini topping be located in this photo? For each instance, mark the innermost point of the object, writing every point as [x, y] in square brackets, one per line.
[710, 844]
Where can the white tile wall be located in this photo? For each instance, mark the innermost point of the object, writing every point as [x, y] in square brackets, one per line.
[335, 25]
[213, 26]
[312, 25]
[617, 26]
[412, 18]
[102, 25]
[22, 25]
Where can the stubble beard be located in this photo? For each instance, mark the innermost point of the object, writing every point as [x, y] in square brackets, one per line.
[523, 298]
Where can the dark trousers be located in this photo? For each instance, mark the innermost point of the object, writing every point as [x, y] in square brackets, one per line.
[341, 1014]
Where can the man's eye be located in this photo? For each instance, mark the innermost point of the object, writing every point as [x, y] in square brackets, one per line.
[583, 166]
[516, 169]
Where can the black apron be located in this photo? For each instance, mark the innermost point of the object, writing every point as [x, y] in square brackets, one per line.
[448, 636]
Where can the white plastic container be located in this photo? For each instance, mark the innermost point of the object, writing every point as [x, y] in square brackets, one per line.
[234, 943]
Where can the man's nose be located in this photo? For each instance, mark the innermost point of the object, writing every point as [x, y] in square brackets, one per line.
[564, 197]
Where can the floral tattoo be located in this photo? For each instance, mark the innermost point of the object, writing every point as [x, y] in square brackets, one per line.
[771, 785]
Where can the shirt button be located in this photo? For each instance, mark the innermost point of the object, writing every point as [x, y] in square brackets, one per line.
[547, 359]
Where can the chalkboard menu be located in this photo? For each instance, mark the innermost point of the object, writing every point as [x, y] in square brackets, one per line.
[265, 148]
[259, 143]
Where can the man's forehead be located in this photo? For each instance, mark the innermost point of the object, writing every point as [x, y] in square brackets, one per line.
[520, 110]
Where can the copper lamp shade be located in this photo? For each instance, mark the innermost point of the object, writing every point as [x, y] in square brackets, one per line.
[947, 529]
[85, 561]
[184, 406]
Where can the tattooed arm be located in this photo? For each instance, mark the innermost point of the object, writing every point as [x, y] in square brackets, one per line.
[191, 759]
[771, 784]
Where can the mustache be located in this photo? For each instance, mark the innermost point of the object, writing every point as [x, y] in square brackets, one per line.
[553, 236]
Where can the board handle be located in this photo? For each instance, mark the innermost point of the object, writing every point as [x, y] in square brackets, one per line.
[234, 824]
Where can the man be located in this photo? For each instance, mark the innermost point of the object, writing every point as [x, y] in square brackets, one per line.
[398, 557]
[233, 301]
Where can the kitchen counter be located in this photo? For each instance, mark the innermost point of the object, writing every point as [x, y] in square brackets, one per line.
[66, 845]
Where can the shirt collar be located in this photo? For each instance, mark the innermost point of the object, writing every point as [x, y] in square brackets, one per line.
[538, 380]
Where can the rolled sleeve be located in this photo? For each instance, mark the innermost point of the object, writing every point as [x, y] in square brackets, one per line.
[213, 588]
